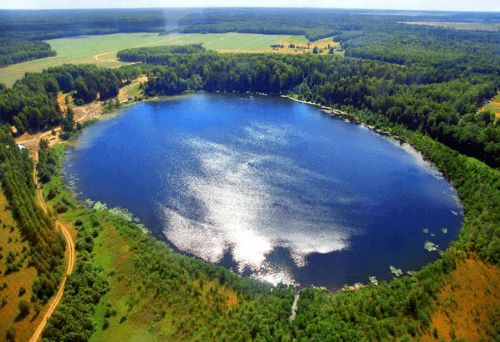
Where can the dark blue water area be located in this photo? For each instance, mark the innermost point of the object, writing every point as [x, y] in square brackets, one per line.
[268, 187]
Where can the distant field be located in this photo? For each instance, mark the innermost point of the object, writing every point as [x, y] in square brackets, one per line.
[494, 27]
[102, 49]
[296, 45]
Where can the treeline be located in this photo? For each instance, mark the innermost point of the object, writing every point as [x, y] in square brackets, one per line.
[21, 50]
[441, 102]
[46, 243]
[31, 104]
[158, 54]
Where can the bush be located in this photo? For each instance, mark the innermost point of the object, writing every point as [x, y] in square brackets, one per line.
[24, 309]
[11, 334]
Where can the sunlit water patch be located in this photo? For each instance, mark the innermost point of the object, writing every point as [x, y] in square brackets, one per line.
[269, 188]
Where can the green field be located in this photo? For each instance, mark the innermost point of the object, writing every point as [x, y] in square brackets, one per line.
[102, 49]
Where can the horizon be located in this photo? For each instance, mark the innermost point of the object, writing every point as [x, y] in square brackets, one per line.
[249, 7]
[376, 5]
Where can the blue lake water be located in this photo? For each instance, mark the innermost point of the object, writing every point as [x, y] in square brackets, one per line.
[268, 187]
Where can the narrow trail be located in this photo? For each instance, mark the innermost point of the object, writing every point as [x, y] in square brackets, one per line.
[70, 254]
[293, 312]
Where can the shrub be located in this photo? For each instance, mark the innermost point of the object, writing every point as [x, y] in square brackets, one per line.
[24, 309]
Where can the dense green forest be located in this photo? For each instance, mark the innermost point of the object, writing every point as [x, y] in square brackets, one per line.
[19, 50]
[46, 243]
[439, 101]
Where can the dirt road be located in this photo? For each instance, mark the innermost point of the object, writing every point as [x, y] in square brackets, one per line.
[70, 256]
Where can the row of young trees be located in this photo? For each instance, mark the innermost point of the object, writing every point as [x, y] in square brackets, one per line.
[46, 243]
[432, 100]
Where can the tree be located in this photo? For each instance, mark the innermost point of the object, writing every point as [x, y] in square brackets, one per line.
[67, 122]
[24, 309]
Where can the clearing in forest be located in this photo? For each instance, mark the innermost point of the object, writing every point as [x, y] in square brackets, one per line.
[296, 45]
[493, 106]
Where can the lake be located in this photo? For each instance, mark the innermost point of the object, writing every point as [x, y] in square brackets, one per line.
[271, 188]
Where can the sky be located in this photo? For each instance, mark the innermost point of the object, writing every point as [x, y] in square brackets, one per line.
[444, 5]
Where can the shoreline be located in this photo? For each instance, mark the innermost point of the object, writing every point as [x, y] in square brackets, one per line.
[336, 113]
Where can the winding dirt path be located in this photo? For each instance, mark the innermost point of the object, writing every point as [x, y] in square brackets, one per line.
[70, 254]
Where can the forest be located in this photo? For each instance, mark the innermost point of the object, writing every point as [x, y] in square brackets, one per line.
[31, 104]
[46, 243]
[441, 102]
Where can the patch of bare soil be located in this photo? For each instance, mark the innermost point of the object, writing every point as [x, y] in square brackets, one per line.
[88, 112]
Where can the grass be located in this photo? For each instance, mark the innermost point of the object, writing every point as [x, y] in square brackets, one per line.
[132, 91]
[102, 49]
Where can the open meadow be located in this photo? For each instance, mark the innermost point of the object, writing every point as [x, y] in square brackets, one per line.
[102, 49]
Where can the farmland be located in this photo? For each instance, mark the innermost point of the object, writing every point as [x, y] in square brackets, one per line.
[102, 49]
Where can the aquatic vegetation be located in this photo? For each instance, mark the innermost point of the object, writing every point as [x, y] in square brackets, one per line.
[122, 213]
[373, 280]
[396, 271]
[100, 206]
[430, 246]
